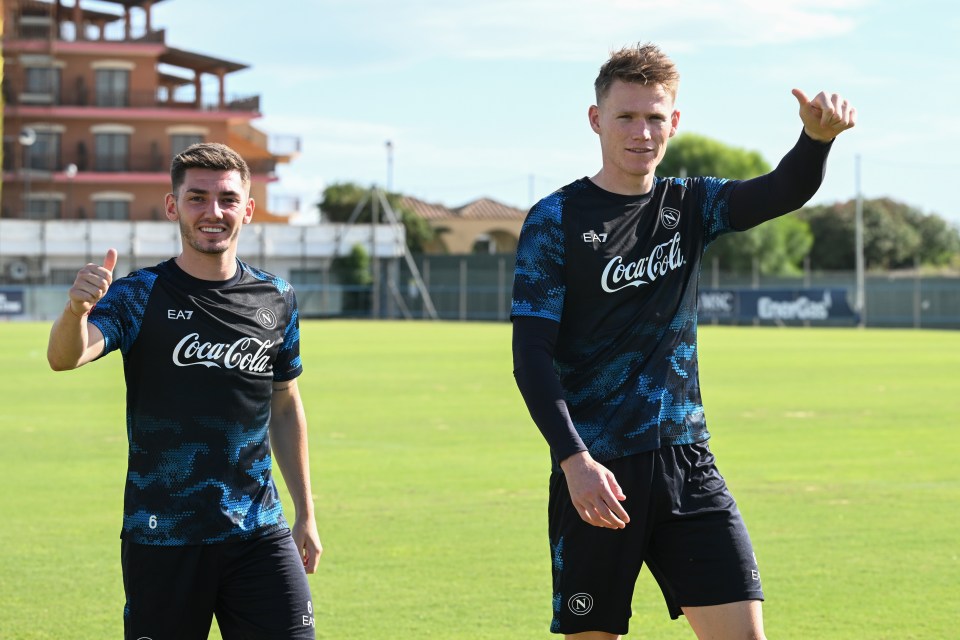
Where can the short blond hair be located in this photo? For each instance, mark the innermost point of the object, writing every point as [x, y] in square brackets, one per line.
[643, 64]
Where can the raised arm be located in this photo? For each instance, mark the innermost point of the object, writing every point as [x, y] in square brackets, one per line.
[800, 172]
[288, 439]
[73, 341]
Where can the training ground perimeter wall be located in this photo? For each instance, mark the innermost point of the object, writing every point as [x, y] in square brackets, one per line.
[478, 287]
[40, 259]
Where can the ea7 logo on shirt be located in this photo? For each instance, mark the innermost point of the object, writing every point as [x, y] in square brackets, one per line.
[179, 314]
[592, 237]
[669, 217]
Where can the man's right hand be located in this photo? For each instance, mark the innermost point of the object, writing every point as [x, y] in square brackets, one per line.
[91, 284]
[594, 492]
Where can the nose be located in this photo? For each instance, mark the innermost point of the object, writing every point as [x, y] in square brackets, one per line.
[641, 130]
[214, 209]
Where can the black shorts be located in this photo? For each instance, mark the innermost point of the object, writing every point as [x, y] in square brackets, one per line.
[257, 589]
[684, 525]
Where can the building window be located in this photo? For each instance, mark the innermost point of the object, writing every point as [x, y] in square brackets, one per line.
[35, 27]
[484, 244]
[180, 141]
[111, 210]
[63, 276]
[44, 153]
[41, 85]
[112, 88]
[111, 151]
[8, 155]
[42, 209]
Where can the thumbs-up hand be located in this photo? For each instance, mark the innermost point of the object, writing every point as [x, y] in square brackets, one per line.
[91, 284]
[825, 116]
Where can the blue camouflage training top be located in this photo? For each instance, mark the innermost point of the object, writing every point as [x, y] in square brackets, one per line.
[620, 275]
[200, 359]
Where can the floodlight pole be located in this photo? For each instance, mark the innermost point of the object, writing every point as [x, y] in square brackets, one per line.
[374, 261]
[389, 165]
[860, 302]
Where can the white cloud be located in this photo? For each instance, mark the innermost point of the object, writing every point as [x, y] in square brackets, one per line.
[571, 30]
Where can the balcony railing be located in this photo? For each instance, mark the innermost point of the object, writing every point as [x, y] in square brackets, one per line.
[115, 163]
[79, 96]
[154, 163]
[39, 24]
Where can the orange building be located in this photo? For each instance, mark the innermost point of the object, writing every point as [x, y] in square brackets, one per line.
[480, 226]
[93, 114]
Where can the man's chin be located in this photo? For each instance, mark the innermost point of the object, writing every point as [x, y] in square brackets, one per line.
[211, 249]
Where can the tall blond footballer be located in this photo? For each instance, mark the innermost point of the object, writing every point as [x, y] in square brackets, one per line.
[605, 356]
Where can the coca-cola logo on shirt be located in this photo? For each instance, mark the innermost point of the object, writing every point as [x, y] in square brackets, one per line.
[245, 354]
[663, 259]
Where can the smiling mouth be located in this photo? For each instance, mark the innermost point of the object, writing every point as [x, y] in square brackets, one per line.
[212, 229]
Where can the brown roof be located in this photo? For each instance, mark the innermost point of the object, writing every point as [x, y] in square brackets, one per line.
[133, 3]
[198, 61]
[426, 210]
[482, 209]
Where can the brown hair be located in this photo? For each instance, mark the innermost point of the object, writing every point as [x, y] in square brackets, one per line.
[207, 155]
[643, 64]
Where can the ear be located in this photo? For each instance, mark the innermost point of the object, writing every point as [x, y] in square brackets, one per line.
[674, 122]
[170, 206]
[248, 213]
[593, 113]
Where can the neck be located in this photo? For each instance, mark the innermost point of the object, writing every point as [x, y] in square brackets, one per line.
[623, 185]
[214, 267]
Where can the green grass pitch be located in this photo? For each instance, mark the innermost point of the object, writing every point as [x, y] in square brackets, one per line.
[841, 447]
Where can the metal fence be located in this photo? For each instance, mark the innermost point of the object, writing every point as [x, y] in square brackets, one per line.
[478, 288]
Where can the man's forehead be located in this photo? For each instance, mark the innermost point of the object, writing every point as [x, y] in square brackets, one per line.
[622, 93]
[209, 180]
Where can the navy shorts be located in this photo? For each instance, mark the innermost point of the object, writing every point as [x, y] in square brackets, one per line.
[257, 589]
[684, 525]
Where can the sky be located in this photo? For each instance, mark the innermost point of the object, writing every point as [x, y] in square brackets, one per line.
[489, 98]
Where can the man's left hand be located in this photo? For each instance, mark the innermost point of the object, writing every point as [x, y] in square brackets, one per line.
[826, 115]
[308, 543]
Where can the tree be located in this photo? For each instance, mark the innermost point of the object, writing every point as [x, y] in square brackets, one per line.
[779, 246]
[833, 232]
[895, 235]
[341, 199]
[691, 154]
[939, 241]
[353, 270]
